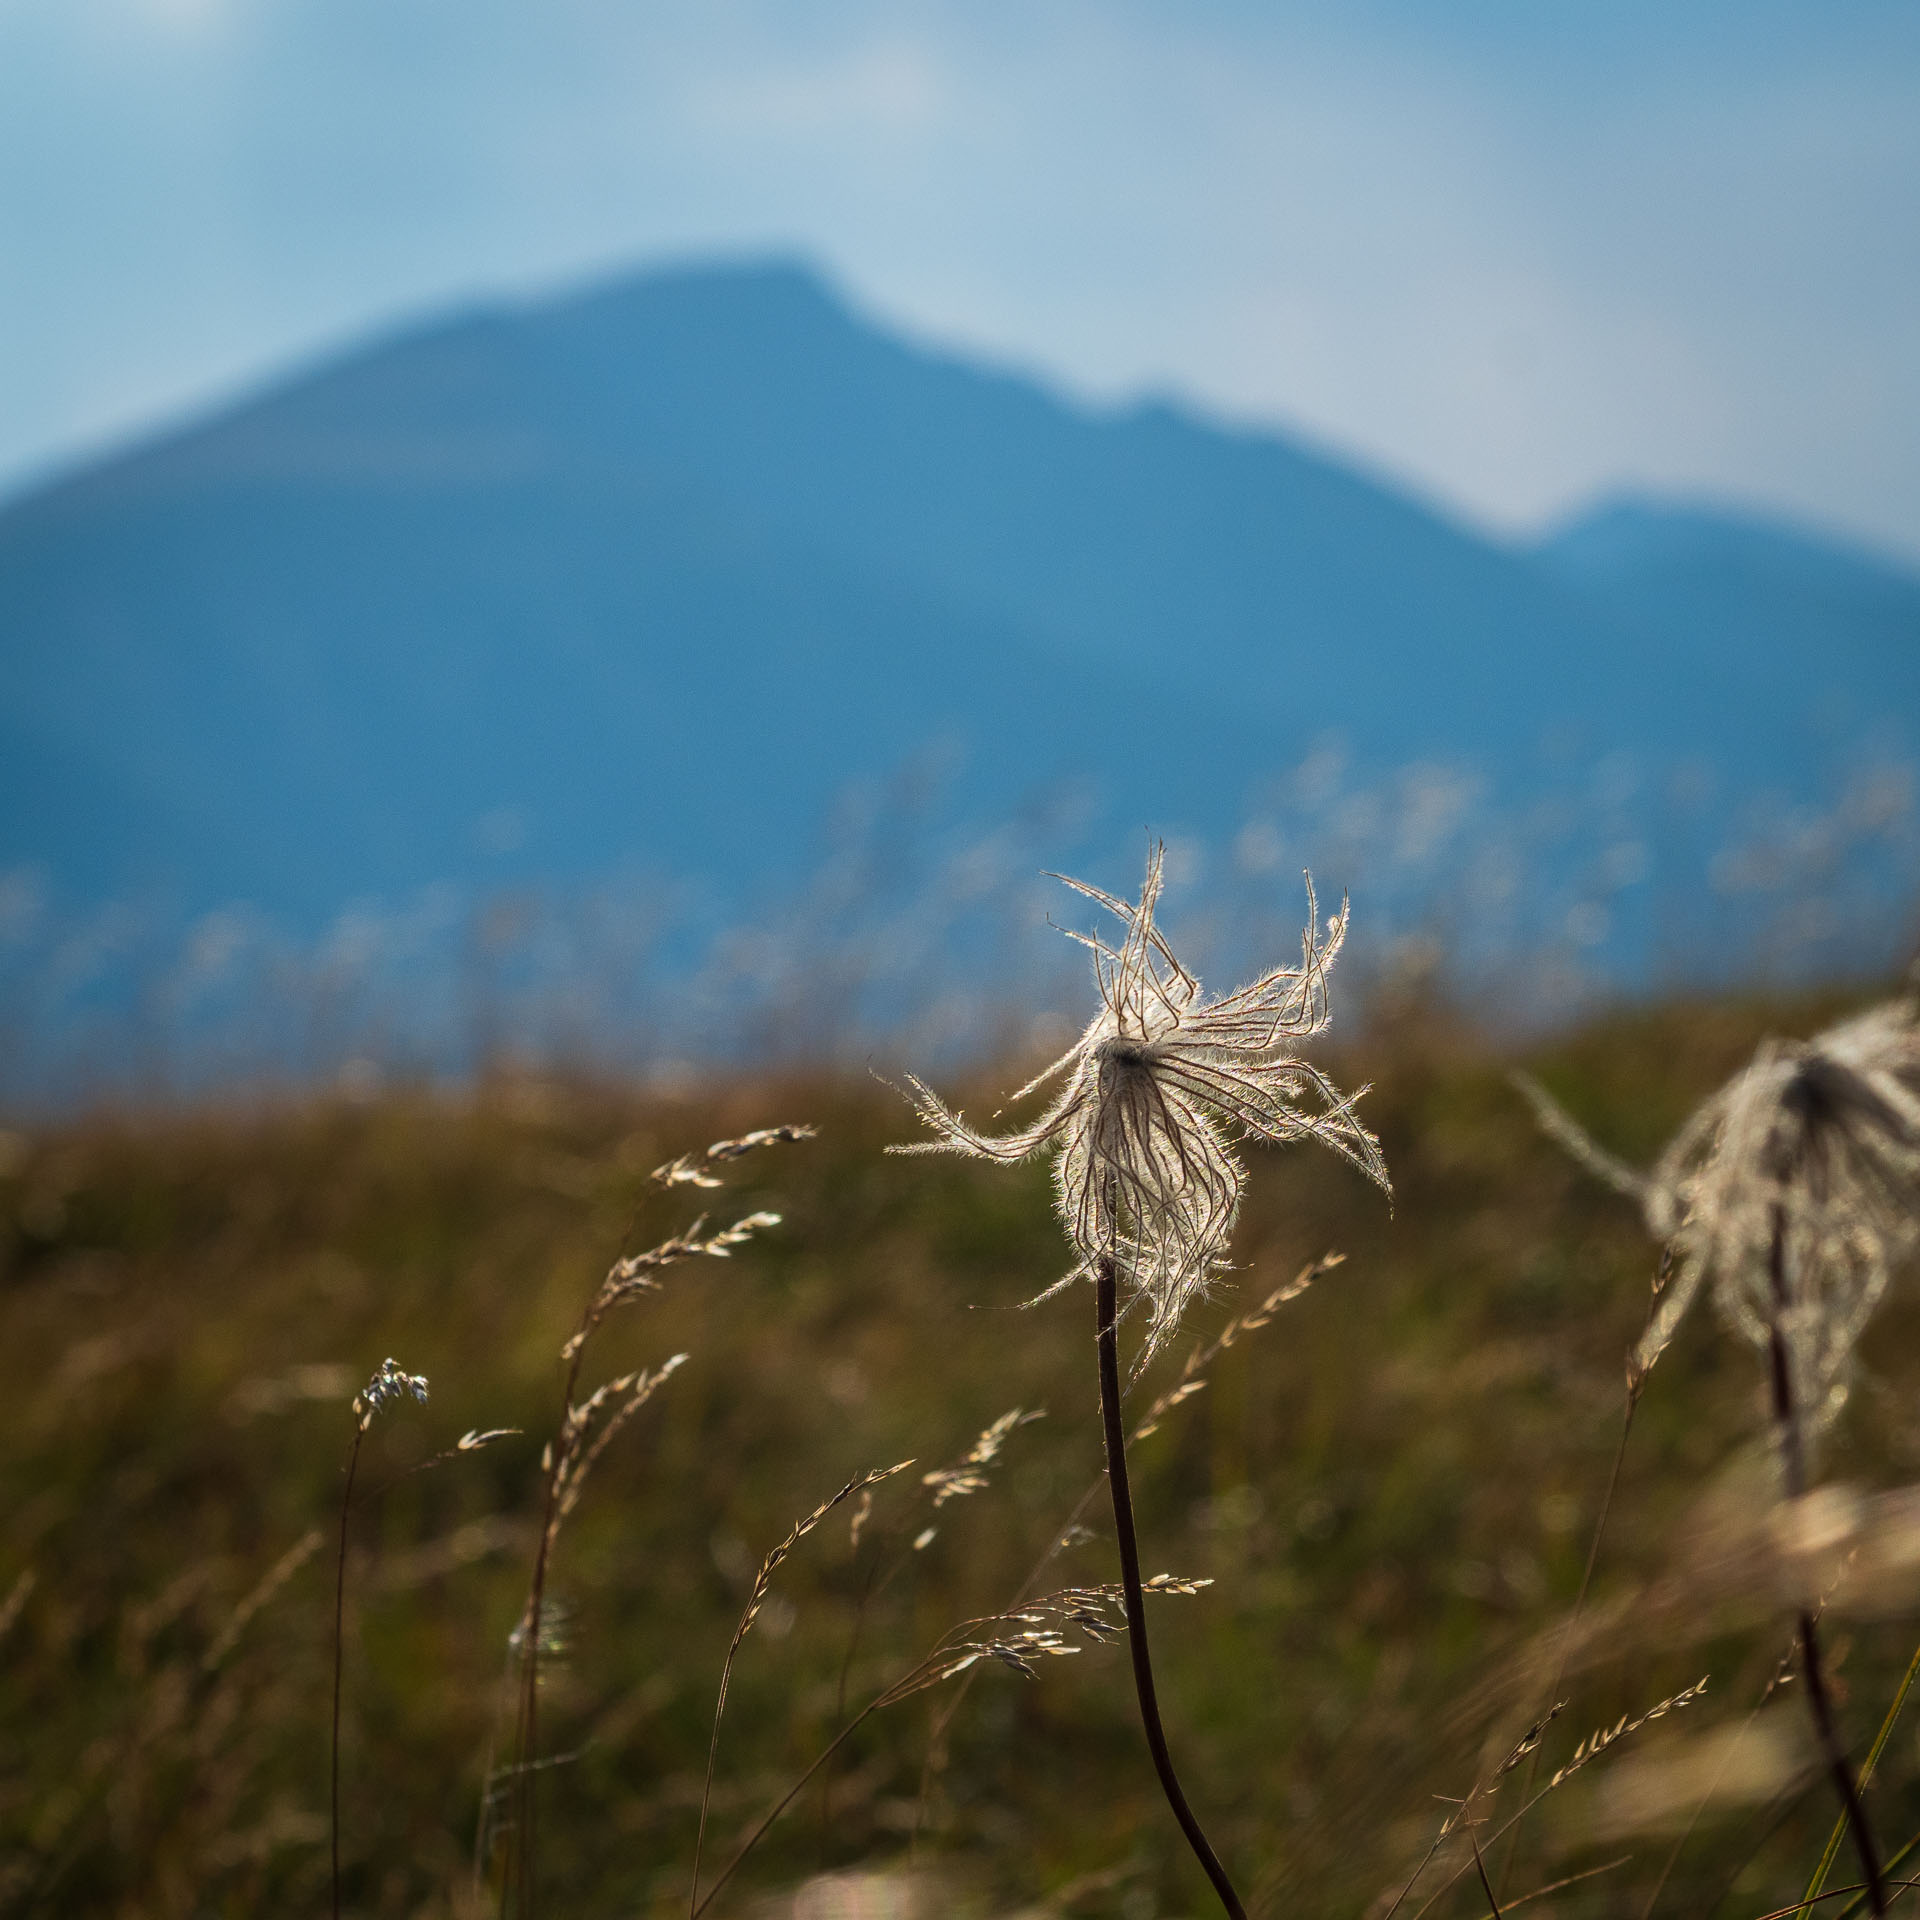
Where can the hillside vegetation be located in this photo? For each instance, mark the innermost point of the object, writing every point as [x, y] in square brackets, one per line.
[1392, 1486]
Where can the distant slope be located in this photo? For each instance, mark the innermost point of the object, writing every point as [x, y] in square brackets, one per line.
[651, 573]
[1768, 636]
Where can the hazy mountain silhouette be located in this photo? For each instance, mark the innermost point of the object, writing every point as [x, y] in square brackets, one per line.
[649, 574]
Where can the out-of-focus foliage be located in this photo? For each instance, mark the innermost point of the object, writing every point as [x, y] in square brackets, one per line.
[1393, 1487]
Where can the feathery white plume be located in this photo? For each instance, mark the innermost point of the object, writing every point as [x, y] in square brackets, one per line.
[1154, 1093]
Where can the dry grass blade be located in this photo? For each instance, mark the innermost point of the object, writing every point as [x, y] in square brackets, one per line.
[1040, 1628]
[270, 1583]
[968, 1475]
[763, 1581]
[639, 1387]
[1839, 1893]
[1591, 1748]
[1635, 1379]
[1571, 1880]
[1193, 1374]
[567, 1460]
[695, 1169]
[1595, 1744]
[1524, 1749]
[637, 1274]
[1782, 1673]
[801, 1528]
[15, 1603]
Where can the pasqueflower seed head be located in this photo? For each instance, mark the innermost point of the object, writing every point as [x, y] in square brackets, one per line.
[1154, 1095]
[1815, 1142]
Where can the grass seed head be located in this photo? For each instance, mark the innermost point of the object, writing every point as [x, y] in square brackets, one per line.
[388, 1384]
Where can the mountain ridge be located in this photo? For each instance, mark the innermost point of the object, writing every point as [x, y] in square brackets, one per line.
[662, 564]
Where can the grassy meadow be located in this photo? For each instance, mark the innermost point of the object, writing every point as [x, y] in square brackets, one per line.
[1393, 1487]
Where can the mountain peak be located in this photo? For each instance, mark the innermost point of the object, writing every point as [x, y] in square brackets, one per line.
[664, 562]
[1636, 533]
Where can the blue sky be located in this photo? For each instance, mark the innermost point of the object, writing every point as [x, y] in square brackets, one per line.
[1512, 254]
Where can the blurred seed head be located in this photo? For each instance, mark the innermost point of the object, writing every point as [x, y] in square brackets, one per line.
[1817, 1141]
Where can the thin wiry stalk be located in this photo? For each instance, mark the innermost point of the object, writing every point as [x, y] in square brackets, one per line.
[1783, 1667]
[840, 1687]
[1480, 1867]
[1636, 1380]
[1590, 1749]
[1840, 1893]
[1879, 1746]
[1106, 1297]
[1462, 1814]
[569, 1457]
[569, 1461]
[1014, 1640]
[786, 1800]
[339, 1649]
[1855, 1814]
[1858, 1903]
[483, 1814]
[967, 1476]
[527, 1732]
[389, 1383]
[1794, 1472]
[1571, 1880]
[763, 1582]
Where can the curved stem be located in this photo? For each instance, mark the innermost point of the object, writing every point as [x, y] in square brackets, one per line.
[1579, 1606]
[1106, 1297]
[339, 1648]
[1793, 1463]
[703, 1901]
[527, 1734]
[1839, 1833]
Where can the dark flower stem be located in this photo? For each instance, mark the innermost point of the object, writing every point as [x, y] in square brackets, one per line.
[1793, 1467]
[339, 1646]
[1106, 1292]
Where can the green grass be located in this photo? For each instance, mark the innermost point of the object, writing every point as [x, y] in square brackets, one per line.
[1393, 1488]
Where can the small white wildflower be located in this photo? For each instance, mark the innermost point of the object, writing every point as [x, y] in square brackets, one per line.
[1144, 1172]
[388, 1384]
